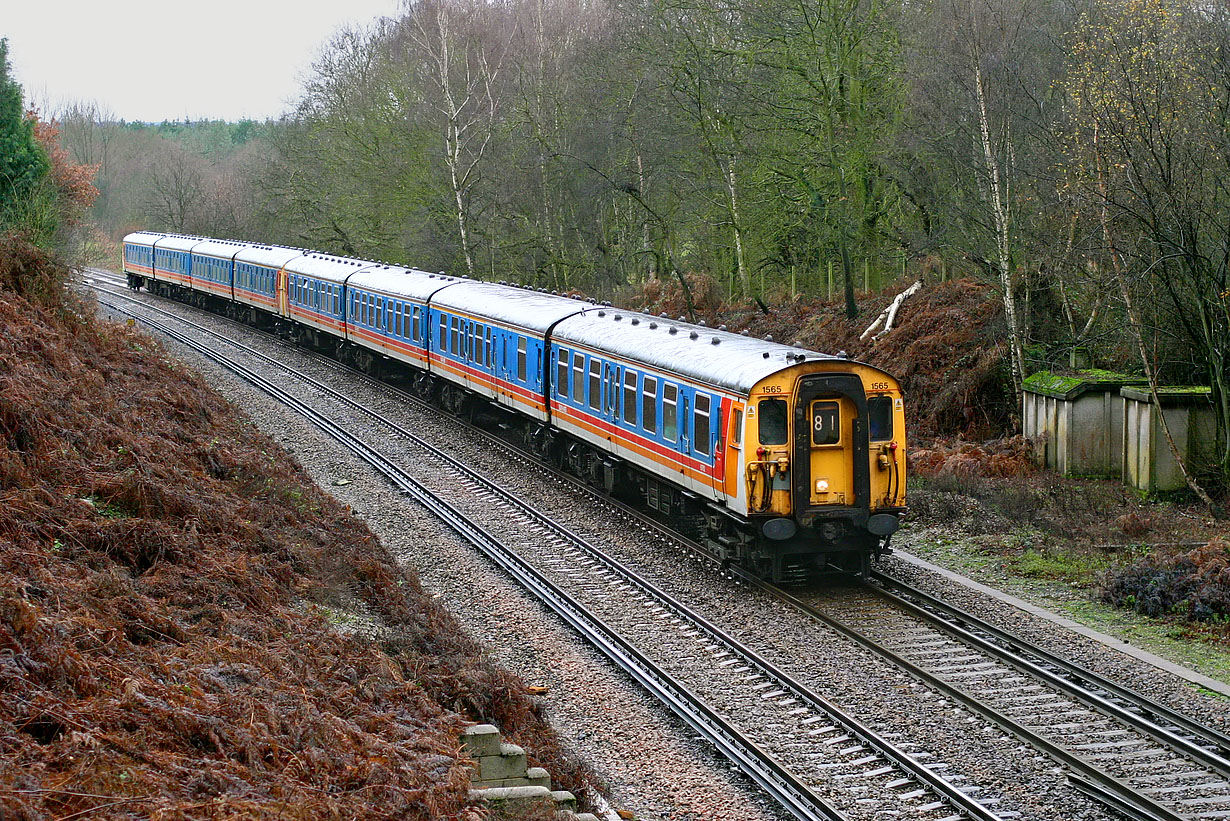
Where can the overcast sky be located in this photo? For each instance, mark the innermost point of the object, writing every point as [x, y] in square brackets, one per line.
[156, 60]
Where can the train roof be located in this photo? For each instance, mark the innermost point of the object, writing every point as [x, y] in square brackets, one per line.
[143, 237]
[714, 357]
[520, 307]
[270, 256]
[220, 248]
[407, 283]
[179, 242]
[326, 266]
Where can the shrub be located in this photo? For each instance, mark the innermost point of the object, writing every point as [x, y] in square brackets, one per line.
[1194, 584]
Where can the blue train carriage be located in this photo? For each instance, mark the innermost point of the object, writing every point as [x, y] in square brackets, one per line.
[139, 256]
[491, 339]
[388, 309]
[258, 271]
[653, 393]
[312, 293]
[173, 262]
[213, 267]
[784, 460]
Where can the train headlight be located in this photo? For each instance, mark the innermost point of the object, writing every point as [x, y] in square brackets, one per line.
[822, 486]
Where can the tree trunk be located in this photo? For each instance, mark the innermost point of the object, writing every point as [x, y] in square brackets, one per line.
[999, 213]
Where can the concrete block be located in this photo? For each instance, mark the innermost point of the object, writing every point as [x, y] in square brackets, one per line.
[510, 763]
[513, 797]
[480, 740]
[564, 800]
[538, 777]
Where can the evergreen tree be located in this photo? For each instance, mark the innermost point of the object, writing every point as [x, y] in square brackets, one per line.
[22, 160]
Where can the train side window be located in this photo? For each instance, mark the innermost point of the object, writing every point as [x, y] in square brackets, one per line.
[773, 421]
[670, 412]
[736, 427]
[630, 397]
[561, 373]
[521, 359]
[595, 383]
[490, 348]
[825, 423]
[880, 418]
[453, 337]
[700, 424]
[578, 378]
[443, 332]
[415, 326]
[649, 404]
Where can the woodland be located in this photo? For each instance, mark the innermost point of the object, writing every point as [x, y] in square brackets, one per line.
[1068, 154]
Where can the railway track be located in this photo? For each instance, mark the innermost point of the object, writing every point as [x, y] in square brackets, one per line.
[1138, 757]
[659, 641]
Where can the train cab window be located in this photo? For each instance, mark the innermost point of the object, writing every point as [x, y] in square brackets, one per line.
[521, 359]
[578, 378]
[649, 405]
[880, 418]
[700, 424]
[630, 397]
[561, 373]
[670, 412]
[825, 423]
[774, 420]
[595, 384]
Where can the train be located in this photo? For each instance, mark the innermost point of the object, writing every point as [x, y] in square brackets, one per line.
[781, 460]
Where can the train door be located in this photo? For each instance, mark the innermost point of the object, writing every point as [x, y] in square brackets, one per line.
[283, 295]
[830, 419]
[830, 459]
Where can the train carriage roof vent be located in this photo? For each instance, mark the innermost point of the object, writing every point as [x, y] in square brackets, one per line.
[700, 322]
[715, 341]
[842, 355]
[602, 313]
[674, 330]
[653, 326]
[618, 317]
[721, 327]
[663, 315]
[765, 354]
[768, 337]
[635, 321]
[693, 335]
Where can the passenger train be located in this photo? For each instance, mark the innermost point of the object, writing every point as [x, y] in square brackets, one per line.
[782, 460]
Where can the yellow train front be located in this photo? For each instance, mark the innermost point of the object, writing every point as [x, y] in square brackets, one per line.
[817, 461]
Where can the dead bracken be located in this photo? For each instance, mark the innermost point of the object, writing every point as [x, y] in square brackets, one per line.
[165, 576]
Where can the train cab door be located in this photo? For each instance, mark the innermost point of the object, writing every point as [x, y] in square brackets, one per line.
[830, 420]
[830, 453]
